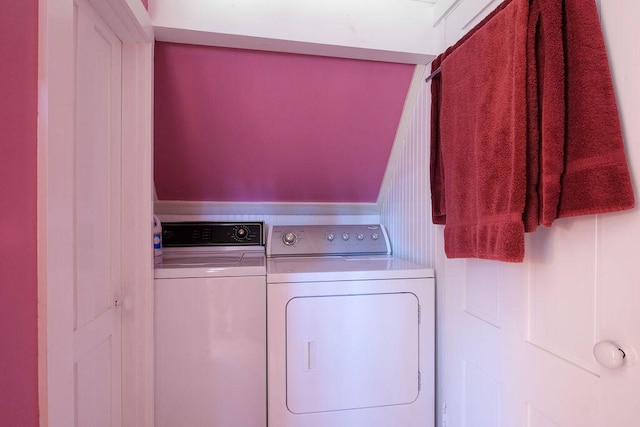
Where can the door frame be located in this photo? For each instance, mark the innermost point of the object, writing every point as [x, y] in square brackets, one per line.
[56, 128]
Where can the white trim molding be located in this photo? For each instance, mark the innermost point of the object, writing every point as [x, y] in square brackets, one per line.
[263, 208]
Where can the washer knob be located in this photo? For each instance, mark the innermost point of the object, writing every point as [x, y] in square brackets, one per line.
[289, 238]
[360, 236]
[331, 237]
[345, 236]
[375, 236]
[241, 233]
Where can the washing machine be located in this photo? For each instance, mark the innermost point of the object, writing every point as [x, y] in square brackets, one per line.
[210, 325]
[351, 331]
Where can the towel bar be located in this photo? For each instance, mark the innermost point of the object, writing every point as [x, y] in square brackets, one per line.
[432, 75]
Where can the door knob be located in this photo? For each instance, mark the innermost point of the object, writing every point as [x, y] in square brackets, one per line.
[614, 355]
[608, 354]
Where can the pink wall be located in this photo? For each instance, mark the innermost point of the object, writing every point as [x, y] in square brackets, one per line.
[18, 275]
[250, 126]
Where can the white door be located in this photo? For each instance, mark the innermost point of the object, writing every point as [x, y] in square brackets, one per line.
[97, 325]
[618, 236]
[517, 339]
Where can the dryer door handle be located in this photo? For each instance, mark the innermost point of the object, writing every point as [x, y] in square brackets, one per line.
[312, 356]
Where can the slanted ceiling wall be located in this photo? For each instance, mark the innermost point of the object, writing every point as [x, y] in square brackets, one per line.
[235, 125]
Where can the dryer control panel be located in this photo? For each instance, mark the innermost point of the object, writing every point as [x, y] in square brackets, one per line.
[341, 239]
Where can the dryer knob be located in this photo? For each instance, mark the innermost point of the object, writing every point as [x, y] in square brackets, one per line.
[289, 238]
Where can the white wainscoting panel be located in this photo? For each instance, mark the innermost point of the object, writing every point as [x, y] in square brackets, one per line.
[406, 208]
[406, 203]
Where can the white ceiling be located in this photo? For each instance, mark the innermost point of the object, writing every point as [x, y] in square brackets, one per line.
[392, 30]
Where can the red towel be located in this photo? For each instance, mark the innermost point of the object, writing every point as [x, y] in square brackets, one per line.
[596, 176]
[545, 109]
[483, 138]
[526, 128]
[436, 166]
[438, 210]
[582, 164]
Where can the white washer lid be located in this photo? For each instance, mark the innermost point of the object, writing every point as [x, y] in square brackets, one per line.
[210, 264]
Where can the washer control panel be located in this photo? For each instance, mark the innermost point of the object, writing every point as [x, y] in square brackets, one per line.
[306, 240]
[190, 234]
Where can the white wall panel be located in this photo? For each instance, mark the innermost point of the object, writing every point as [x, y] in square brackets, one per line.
[406, 208]
[406, 205]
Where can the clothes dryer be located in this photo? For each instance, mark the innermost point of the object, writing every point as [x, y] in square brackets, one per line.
[351, 330]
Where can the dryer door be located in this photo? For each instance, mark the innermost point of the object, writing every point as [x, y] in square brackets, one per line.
[352, 351]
